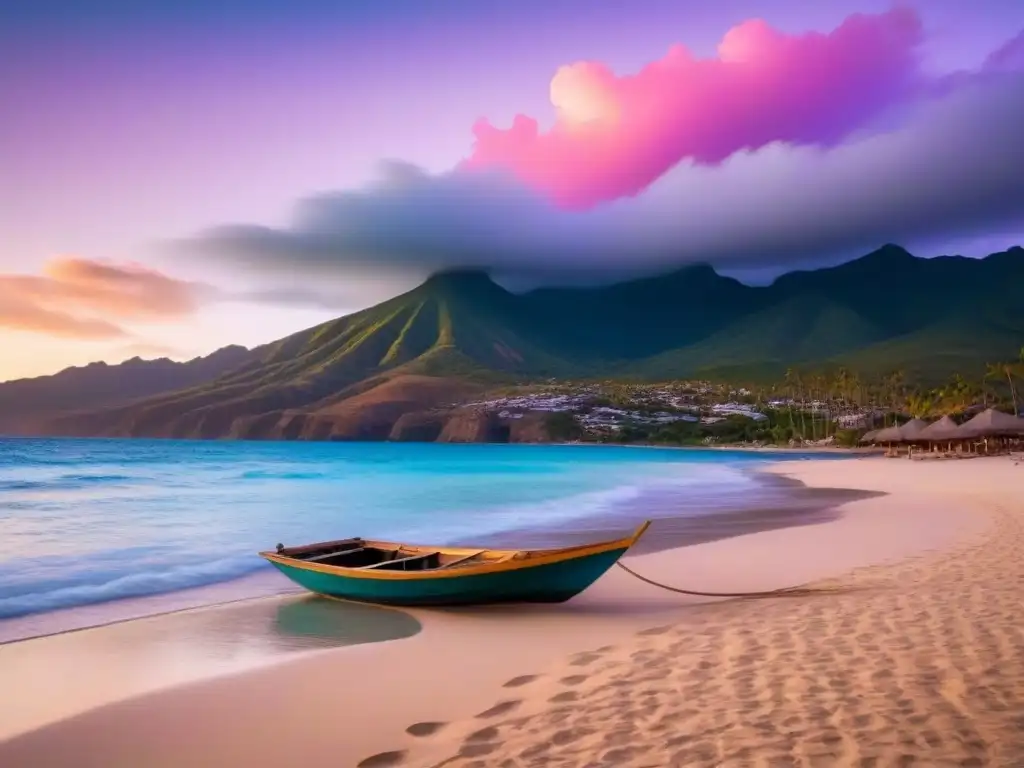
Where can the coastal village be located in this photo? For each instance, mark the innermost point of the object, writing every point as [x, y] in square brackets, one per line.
[809, 410]
[606, 412]
[587, 405]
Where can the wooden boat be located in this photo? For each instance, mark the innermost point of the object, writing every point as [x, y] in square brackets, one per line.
[398, 574]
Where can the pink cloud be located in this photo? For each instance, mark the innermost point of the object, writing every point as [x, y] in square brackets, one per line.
[614, 135]
[83, 298]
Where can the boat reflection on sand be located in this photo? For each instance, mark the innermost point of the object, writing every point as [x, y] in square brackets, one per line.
[312, 622]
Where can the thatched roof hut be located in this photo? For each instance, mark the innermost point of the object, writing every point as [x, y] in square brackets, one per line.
[888, 435]
[941, 431]
[911, 431]
[906, 433]
[869, 437]
[992, 423]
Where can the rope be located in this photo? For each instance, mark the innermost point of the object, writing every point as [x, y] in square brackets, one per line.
[783, 592]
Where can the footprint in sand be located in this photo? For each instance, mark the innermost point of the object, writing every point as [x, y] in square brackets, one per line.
[655, 630]
[570, 735]
[478, 750]
[585, 659]
[501, 708]
[383, 760]
[515, 682]
[574, 679]
[559, 698]
[424, 729]
[490, 733]
[480, 743]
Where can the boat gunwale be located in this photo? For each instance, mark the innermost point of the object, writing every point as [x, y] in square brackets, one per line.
[505, 562]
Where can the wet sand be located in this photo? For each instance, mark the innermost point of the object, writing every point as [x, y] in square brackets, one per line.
[74, 672]
[918, 658]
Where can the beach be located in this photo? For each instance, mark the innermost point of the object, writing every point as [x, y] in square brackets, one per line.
[913, 653]
[95, 531]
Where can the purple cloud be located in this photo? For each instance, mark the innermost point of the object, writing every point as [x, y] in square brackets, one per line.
[943, 168]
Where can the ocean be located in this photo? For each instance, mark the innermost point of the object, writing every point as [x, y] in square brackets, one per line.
[93, 531]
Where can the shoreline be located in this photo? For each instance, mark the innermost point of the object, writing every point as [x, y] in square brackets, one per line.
[788, 503]
[872, 530]
[869, 450]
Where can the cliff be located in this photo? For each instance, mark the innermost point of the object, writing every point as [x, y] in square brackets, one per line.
[370, 414]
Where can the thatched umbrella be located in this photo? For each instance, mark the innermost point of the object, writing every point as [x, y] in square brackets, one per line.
[869, 437]
[911, 431]
[992, 423]
[888, 435]
[943, 430]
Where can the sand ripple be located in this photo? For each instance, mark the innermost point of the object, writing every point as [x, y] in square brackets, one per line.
[922, 664]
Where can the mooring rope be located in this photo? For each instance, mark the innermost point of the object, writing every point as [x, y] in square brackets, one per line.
[783, 592]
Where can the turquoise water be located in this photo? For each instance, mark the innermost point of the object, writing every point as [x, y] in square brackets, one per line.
[84, 522]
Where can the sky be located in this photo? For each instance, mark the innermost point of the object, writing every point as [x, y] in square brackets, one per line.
[178, 175]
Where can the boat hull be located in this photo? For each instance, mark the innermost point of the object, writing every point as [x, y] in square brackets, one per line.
[546, 582]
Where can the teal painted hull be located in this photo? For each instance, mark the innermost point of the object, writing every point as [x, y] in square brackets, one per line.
[547, 583]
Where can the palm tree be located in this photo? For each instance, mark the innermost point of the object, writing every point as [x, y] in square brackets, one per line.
[844, 387]
[790, 389]
[812, 389]
[921, 405]
[957, 396]
[821, 383]
[895, 391]
[842, 384]
[1019, 370]
[801, 383]
[857, 389]
[1009, 370]
[794, 385]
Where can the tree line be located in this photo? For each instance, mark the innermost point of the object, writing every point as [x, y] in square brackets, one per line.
[995, 386]
[809, 405]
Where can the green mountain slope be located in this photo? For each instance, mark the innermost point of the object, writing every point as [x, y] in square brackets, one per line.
[885, 311]
[460, 324]
[962, 342]
[800, 329]
[639, 318]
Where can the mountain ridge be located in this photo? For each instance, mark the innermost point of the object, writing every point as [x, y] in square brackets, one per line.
[885, 310]
[24, 401]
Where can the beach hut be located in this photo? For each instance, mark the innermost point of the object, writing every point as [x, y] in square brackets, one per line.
[945, 430]
[992, 423]
[906, 433]
[991, 427]
[910, 432]
[869, 436]
[888, 435]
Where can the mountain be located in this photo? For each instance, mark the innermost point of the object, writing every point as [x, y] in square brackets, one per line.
[803, 327]
[638, 318]
[391, 366]
[457, 325]
[27, 404]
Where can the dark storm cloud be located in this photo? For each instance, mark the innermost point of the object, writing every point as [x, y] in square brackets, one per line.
[951, 169]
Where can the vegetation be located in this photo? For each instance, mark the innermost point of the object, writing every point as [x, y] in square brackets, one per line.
[562, 427]
[829, 335]
[837, 405]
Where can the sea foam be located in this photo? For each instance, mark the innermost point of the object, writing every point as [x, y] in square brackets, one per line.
[91, 521]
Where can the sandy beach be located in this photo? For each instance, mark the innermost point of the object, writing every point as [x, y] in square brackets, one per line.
[914, 654]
